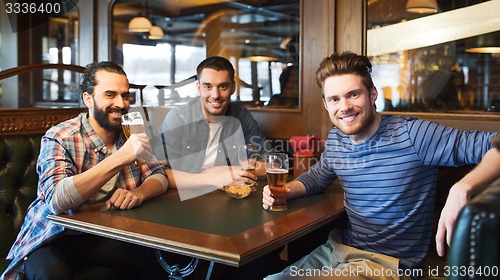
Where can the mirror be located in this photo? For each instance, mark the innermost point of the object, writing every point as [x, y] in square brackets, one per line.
[423, 62]
[260, 38]
[39, 54]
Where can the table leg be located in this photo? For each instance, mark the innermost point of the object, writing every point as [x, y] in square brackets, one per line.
[177, 273]
[209, 271]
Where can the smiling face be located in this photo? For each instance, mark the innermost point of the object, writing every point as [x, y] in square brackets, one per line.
[350, 106]
[215, 89]
[109, 101]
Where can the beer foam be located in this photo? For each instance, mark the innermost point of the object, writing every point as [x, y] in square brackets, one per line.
[134, 122]
[277, 171]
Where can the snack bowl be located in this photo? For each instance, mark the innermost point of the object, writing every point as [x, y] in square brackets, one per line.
[239, 189]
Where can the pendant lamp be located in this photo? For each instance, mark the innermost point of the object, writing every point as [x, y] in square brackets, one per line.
[155, 33]
[422, 6]
[485, 43]
[255, 54]
[139, 25]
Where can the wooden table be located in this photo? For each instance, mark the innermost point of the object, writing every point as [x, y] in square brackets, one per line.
[212, 227]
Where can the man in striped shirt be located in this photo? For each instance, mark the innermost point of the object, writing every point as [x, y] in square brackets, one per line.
[387, 166]
[83, 161]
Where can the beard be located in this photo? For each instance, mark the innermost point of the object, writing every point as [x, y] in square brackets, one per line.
[366, 119]
[102, 118]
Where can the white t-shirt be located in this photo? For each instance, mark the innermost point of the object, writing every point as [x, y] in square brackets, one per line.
[212, 145]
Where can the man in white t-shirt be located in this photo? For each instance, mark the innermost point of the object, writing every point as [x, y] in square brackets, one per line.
[201, 140]
[202, 136]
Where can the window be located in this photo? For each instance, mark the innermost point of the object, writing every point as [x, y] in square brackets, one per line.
[152, 66]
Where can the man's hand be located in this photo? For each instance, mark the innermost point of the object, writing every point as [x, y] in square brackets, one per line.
[454, 203]
[267, 197]
[473, 183]
[137, 147]
[225, 174]
[124, 199]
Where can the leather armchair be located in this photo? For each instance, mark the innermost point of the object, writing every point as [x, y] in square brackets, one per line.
[18, 185]
[475, 247]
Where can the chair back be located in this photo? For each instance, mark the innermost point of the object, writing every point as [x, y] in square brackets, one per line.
[475, 247]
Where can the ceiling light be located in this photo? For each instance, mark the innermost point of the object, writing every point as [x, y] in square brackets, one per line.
[486, 43]
[260, 58]
[484, 50]
[258, 54]
[139, 25]
[422, 6]
[155, 33]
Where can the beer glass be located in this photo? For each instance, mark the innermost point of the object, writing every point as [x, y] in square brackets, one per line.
[248, 156]
[277, 176]
[133, 123]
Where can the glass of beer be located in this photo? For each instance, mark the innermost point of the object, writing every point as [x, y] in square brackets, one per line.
[133, 123]
[248, 156]
[277, 176]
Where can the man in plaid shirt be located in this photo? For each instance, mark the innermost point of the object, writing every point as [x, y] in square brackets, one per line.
[83, 161]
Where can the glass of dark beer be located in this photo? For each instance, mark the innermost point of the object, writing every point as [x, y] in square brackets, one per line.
[277, 176]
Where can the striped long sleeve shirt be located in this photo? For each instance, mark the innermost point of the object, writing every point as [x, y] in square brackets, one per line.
[389, 181]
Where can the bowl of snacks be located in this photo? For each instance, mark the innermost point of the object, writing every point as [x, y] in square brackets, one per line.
[239, 189]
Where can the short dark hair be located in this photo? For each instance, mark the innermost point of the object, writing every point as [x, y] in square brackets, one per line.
[344, 63]
[88, 77]
[217, 63]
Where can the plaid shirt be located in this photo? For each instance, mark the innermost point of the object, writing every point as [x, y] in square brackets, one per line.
[70, 148]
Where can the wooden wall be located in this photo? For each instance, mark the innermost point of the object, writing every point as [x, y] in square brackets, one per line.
[33, 121]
